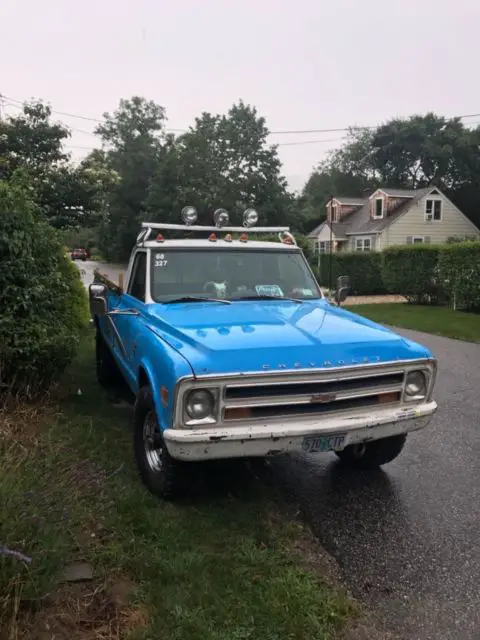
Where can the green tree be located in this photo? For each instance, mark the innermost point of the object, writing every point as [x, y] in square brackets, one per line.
[133, 137]
[223, 161]
[43, 301]
[65, 196]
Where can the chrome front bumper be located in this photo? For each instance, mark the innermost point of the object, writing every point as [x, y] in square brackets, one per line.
[282, 437]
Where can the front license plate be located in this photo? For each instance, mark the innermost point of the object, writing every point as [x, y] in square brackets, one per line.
[316, 444]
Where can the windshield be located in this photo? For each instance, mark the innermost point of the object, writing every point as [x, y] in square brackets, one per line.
[231, 274]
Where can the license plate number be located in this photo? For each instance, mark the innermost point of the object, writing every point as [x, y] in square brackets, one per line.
[316, 444]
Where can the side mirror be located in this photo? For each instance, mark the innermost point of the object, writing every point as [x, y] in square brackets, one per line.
[341, 292]
[98, 299]
[341, 295]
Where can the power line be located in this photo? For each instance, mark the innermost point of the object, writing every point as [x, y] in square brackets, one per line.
[279, 132]
[302, 142]
[80, 117]
[83, 131]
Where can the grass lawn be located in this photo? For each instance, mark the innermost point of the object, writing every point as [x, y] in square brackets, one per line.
[438, 320]
[219, 565]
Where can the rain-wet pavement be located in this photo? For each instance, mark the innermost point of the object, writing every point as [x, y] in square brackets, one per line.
[88, 268]
[407, 537]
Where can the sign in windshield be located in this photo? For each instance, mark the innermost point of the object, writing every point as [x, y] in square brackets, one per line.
[231, 274]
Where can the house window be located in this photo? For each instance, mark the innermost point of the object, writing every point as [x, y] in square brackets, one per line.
[418, 240]
[333, 213]
[433, 209]
[323, 246]
[363, 244]
[378, 211]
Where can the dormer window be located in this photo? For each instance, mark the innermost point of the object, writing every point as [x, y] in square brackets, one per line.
[334, 212]
[378, 208]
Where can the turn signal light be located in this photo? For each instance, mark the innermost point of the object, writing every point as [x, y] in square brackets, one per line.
[385, 398]
[238, 413]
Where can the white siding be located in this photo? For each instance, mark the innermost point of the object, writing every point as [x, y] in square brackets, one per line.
[413, 223]
[324, 234]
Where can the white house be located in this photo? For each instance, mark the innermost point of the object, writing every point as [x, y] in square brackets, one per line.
[391, 217]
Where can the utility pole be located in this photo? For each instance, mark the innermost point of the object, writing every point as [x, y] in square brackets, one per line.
[329, 211]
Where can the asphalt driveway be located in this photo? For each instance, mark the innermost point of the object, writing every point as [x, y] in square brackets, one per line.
[408, 537]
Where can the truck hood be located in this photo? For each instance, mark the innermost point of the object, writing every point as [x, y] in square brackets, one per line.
[251, 336]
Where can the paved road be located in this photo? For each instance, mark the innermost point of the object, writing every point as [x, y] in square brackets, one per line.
[408, 537]
[88, 267]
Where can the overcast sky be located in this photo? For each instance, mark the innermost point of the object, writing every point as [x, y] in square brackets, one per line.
[305, 64]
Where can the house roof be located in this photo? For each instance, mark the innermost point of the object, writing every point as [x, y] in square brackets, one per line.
[397, 193]
[350, 201]
[314, 232]
[360, 221]
[339, 229]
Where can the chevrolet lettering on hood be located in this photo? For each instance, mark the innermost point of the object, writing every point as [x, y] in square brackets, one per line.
[239, 354]
[325, 363]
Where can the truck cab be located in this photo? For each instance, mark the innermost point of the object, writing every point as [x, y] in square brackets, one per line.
[232, 350]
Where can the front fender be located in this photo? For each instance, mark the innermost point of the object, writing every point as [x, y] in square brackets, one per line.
[163, 366]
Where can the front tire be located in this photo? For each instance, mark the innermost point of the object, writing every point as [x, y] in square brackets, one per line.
[163, 475]
[371, 455]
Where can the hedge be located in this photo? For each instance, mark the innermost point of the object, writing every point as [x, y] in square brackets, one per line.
[459, 266]
[43, 301]
[412, 271]
[363, 269]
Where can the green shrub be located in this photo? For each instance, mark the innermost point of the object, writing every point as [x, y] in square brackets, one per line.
[459, 266]
[363, 269]
[412, 271]
[43, 301]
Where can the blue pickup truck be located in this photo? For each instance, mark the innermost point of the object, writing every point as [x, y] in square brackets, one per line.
[232, 350]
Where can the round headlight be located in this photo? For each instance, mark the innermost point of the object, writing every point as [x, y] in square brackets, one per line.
[199, 404]
[189, 215]
[220, 217]
[416, 384]
[250, 218]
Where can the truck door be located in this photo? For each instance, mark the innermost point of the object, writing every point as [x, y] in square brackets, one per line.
[128, 325]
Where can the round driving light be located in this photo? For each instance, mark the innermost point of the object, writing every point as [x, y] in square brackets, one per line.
[220, 217]
[416, 384]
[250, 218]
[189, 215]
[199, 404]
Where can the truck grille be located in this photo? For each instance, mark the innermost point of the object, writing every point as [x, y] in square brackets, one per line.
[318, 395]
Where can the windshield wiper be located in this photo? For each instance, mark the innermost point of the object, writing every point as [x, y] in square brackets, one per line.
[196, 299]
[277, 298]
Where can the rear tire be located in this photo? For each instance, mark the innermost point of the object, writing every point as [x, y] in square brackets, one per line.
[163, 475]
[108, 374]
[371, 455]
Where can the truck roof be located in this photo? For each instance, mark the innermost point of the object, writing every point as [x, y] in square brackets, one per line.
[220, 243]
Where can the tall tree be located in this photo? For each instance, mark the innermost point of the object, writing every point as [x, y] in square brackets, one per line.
[133, 137]
[30, 142]
[224, 161]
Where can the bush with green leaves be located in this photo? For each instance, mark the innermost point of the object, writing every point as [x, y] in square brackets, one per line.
[412, 271]
[363, 269]
[43, 301]
[459, 266]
